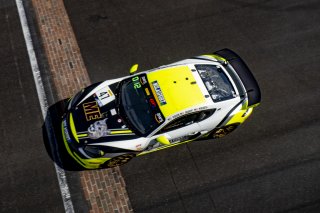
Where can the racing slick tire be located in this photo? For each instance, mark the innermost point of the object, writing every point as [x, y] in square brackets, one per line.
[223, 131]
[118, 161]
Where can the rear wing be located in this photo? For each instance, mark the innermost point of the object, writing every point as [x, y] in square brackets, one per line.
[244, 73]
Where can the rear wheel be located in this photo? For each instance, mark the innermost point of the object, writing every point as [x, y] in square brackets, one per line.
[223, 131]
[118, 161]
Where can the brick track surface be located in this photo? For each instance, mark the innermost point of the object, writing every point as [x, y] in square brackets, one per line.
[103, 189]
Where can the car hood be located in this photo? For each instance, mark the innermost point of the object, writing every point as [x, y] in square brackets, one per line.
[95, 118]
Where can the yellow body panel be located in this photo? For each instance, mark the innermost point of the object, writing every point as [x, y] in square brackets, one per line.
[178, 87]
[241, 116]
[73, 128]
[116, 132]
[82, 135]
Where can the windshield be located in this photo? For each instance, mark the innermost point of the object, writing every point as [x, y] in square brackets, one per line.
[216, 82]
[138, 105]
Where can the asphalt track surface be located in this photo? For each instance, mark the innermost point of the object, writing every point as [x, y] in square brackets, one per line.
[271, 163]
[28, 182]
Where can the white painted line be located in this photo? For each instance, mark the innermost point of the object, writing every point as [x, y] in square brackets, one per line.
[61, 175]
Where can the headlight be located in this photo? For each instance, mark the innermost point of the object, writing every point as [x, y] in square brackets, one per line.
[93, 151]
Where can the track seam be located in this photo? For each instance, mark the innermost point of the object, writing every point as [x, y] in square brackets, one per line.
[61, 176]
[104, 190]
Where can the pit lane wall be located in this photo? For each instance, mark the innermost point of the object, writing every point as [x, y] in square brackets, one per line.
[104, 189]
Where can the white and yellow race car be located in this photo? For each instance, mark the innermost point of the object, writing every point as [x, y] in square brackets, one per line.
[203, 97]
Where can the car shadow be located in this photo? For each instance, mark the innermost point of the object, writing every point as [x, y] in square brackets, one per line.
[52, 137]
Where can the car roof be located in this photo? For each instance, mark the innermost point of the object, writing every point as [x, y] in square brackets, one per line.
[175, 89]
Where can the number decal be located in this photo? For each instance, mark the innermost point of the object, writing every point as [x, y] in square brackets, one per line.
[104, 96]
[135, 78]
[136, 83]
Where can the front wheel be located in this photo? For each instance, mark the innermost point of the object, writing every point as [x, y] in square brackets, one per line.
[223, 131]
[118, 161]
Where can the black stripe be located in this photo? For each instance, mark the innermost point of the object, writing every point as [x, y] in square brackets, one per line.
[113, 138]
[233, 108]
[246, 76]
[110, 149]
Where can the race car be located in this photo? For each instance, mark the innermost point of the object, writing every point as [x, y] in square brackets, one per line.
[204, 97]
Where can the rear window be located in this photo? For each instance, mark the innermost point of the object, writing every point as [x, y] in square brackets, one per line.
[216, 82]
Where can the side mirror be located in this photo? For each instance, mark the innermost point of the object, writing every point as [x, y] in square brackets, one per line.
[133, 69]
[163, 140]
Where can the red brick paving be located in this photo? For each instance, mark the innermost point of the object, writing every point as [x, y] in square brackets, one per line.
[103, 189]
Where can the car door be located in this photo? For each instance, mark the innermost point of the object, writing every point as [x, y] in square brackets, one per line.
[182, 128]
[178, 130]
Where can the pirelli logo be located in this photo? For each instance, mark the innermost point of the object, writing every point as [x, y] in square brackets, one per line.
[91, 111]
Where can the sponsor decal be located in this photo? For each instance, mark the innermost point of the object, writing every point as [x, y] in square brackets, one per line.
[66, 132]
[158, 91]
[188, 112]
[143, 80]
[98, 129]
[91, 111]
[178, 115]
[202, 108]
[139, 147]
[104, 96]
[158, 117]
[113, 112]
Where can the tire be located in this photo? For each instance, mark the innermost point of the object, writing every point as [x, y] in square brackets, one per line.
[118, 161]
[223, 131]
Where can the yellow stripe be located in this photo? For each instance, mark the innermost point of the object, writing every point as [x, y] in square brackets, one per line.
[82, 135]
[73, 128]
[147, 91]
[115, 132]
[219, 58]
